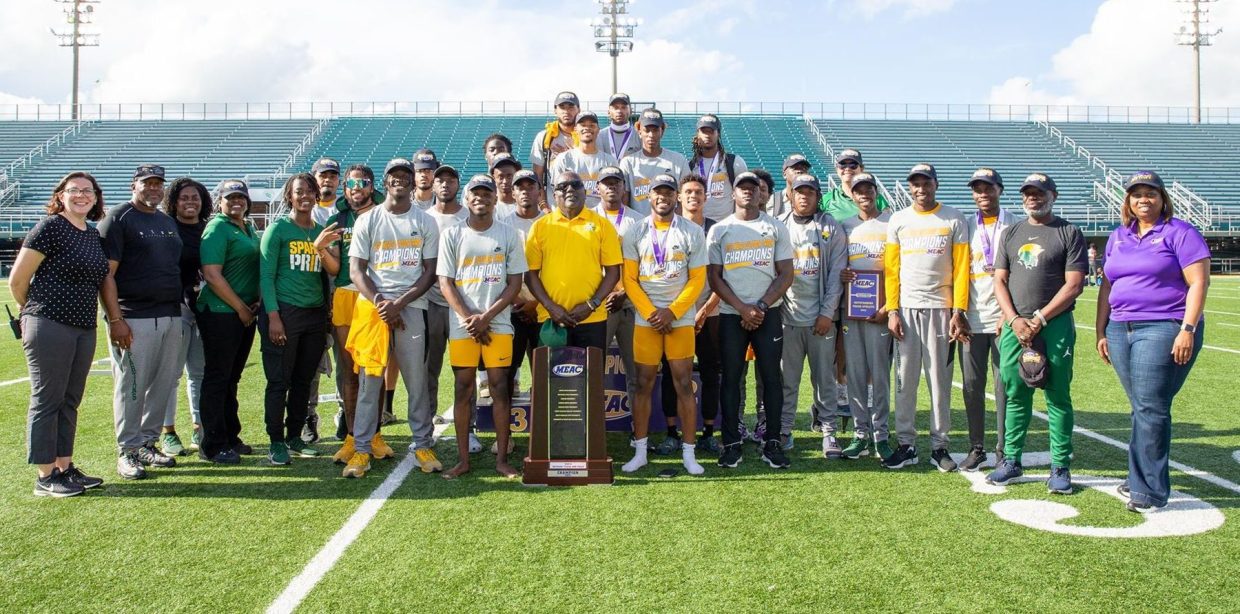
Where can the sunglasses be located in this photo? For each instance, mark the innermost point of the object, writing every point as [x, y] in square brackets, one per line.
[575, 184]
[357, 184]
[848, 164]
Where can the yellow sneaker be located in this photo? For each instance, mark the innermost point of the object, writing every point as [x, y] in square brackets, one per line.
[358, 465]
[380, 449]
[345, 453]
[425, 458]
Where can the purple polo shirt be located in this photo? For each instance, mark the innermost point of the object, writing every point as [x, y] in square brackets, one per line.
[1146, 273]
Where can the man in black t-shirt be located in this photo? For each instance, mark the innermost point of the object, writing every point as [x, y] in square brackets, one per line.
[142, 299]
[1039, 272]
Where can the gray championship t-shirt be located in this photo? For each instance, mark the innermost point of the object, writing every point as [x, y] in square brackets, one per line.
[565, 140]
[586, 166]
[719, 202]
[748, 251]
[819, 250]
[1036, 257]
[397, 247]
[443, 221]
[683, 248]
[619, 141]
[642, 169]
[481, 262]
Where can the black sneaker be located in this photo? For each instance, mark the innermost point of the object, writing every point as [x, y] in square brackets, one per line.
[904, 456]
[1143, 508]
[731, 456]
[974, 460]
[223, 457]
[942, 460]
[1124, 491]
[75, 475]
[129, 467]
[342, 426]
[773, 454]
[57, 485]
[150, 457]
[310, 432]
[243, 449]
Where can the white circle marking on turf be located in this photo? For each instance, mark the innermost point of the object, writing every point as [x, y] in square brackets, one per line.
[1236, 456]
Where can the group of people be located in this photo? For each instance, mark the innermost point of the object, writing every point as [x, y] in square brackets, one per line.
[608, 237]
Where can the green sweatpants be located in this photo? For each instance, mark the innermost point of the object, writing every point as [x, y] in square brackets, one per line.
[1060, 336]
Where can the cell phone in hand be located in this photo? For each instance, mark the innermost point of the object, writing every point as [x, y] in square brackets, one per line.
[14, 324]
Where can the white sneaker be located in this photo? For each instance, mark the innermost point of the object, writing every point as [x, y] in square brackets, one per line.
[475, 446]
[484, 387]
[495, 446]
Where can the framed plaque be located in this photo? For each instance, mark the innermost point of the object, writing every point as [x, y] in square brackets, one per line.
[864, 296]
[568, 443]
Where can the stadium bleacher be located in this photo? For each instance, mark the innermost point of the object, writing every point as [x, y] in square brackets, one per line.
[19, 137]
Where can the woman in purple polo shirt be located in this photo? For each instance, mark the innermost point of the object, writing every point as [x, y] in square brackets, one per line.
[1149, 325]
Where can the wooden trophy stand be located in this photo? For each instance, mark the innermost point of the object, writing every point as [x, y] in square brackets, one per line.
[568, 444]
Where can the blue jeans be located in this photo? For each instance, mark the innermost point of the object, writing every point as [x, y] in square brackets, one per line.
[1141, 355]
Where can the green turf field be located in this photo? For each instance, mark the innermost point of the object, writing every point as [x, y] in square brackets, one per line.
[846, 535]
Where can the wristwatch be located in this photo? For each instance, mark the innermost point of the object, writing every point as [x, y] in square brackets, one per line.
[762, 306]
[1037, 313]
[1188, 328]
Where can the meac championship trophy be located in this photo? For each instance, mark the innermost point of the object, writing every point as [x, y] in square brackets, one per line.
[568, 444]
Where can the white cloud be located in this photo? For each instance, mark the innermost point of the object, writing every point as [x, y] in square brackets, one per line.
[1130, 57]
[908, 8]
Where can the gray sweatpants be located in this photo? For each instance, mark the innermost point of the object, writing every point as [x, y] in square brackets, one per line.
[973, 359]
[437, 329]
[409, 348]
[867, 357]
[190, 356]
[925, 349]
[144, 379]
[801, 343]
[620, 327]
[59, 358]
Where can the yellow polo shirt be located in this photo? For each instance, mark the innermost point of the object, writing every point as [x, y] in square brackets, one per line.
[569, 256]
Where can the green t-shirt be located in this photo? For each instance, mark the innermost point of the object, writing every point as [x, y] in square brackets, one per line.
[291, 272]
[235, 250]
[344, 223]
[838, 205]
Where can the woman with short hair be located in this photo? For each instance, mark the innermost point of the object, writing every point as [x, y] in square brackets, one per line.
[56, 281]
[1150, 325]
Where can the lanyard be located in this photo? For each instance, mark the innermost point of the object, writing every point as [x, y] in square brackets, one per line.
[714, 164]
[988, 250]
[660, 246]
[602, 210]
[627, 134]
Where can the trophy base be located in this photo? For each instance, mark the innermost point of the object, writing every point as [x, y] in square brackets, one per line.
[567, 472]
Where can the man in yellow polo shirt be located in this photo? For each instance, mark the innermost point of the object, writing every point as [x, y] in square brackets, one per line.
[574, 262]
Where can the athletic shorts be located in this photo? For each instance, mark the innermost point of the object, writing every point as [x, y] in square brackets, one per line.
[343, 301]
[466, 353]
[650, 346]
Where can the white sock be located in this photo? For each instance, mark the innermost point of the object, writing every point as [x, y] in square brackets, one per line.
[639, 456]
[689, 458]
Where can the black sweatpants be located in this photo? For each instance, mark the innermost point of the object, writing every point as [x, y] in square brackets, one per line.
[768, 347]
[226, 346]
[291, 367]
[706, 346]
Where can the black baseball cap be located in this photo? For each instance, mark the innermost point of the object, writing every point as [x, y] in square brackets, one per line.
[524, 175]
[804, 180]
[566, 97]
[663, 180]
[1032, 363]
[925, 170]
[444, 168]
[746, 176]
[398, 164]
[849, 154]
[651, 117]
[610, 172]
[1148, 178]
[587, 115]
[795, 159]
[425, 159]
[709, 121]
[228, 187]
[504, 157]
[148, 171]
[480, 181]
[1041, 181]
[325, 165]
[863, 177]
[618, 97]
[986, 174]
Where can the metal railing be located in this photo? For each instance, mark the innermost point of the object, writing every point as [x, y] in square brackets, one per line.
[817, 110]
[830, 152]
[42, 149]
[305, 144]
[1191, 207]
[900, 198]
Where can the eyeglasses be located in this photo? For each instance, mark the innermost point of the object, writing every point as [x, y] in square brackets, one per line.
[575, 184]
[80, 191]
[357, 184]
[847, 164]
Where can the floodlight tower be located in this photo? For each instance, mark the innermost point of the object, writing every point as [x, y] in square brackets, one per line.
[77, 14]
[1192, 35]
[613, 32]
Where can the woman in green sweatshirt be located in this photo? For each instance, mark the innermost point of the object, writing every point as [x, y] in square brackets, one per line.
[294, 254]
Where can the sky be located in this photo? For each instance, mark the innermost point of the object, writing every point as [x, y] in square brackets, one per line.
[1080, 52]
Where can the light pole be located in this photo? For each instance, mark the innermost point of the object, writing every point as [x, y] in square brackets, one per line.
[613, 32]
[77, 14]
[1191, 35]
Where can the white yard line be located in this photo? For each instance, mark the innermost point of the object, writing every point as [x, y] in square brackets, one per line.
[1197, 473]
[1208, 347]
[326, 558]
[27, 378]
[1213, 311]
